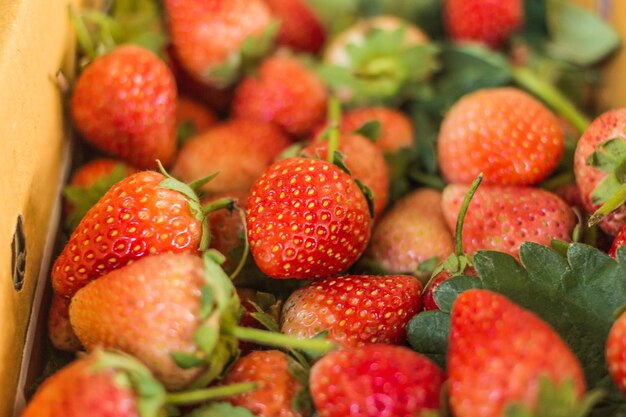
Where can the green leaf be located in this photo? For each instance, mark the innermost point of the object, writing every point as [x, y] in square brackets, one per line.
[369, 195]
[428, 333]
[187, 360]
[340, 163]
[370, 129]
[206, 302]
[579, 36]
[445, 294]
[206, 337]
[336, 15]
[221, 409]
[426, 14]
[267, 321]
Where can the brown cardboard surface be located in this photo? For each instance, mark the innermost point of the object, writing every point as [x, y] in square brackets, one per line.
[34, 39]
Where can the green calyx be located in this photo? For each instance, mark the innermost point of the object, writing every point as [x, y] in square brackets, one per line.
[556, 400]
[149, 393]
[610, 158]
[244, 60]
[384, 69]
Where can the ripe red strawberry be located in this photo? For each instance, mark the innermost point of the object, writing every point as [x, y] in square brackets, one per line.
[277, 386]
[616, 352]
[152, 310]
[124, 103]
[284, 92]
[100, 384]
[239, 149]
[59, 328]
[227, 228]
[300, 28]
[504, 133]
[489, 21]
[499, 352]
[396, 129]
[620, 240]
[306, 219]
[208, 37]
[411, 232]
[502, 218]
[364, 160]
[192, 118]
[374, 381]
[598, 165]
[355, 309]
[135, 218]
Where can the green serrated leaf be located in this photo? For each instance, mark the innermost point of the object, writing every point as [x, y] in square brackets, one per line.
[340, 162]
[370, 129]
[428, 266]
[221, 409]
[368, 194]
[428, 333]
[446, 293]
[267, 321]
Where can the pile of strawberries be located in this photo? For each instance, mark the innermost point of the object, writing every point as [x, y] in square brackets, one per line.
[225, 164]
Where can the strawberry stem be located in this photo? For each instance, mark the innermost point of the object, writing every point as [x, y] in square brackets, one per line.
[267, 338]
[334, 123]
[222, 203]
[461, 219]
[551, 96]
[82, 33]
[202, 395]
[612, 204]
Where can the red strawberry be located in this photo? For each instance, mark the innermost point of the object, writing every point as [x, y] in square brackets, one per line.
[355, 309]
[598, 165]
[488, 21]
[365, 162]
[208, 37]
[227, 228]
[284, 92]
[192, 118]
[152, 310]
[411, 232]
[135, 218]
[620, 240]
[498, 354]
[504, 133]
[396, 129]
[124, 104]
[428, 298]
[300, 28]
[502, 218]
[100, 384]
[239, 149]
[277, 386]
[616, 352]
[374, 381]
[306, 219]
[59, 328]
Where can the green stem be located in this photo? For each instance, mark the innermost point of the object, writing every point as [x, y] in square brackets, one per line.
[202, 395]
[428, 180]
[458, 233]
[612, 204]
[219, 204]
[266, 338]
[82, 33]
[334, 124]
[552, 96]
[246, 245]
[558, 181]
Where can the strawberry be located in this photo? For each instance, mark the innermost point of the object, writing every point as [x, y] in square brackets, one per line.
[300, 28]
[411, 232]
[192, 118]
[375, 380]
[278, 387]
[124, 103]
[227, 228]
[306, 219]
[213, 40]
[89, 183]
[502, 132]
[618, 241]
[616, 352]
[162, 295]
[428, 297]
[365, 162]
[598, 165]
[396, 129]
[59, 328]
[502, 218]
[101, 384]
[489, 21]
[354, 309]
[284, 92]
[135, 218]
[239, 149]
[498, 354]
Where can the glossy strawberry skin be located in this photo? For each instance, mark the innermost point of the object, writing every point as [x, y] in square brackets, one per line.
[412, 231]
[375, 380]
[616, 352]
[124, 103]
[306, 219]
[500, 351]
[504, 133]
[502, 218]
[161, 294]
[355, 309]
[283, 92]
[396, 129]
[489, 21]
[274, 396]
[135, 218]
[78, 391]
[300, 28]
[205, 34]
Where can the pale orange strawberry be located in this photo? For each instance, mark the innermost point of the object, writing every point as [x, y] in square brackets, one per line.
[396, 129]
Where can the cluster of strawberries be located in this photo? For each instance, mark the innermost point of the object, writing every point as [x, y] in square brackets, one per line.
[141, 283]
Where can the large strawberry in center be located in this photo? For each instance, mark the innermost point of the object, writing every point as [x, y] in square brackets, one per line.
[306, 219]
